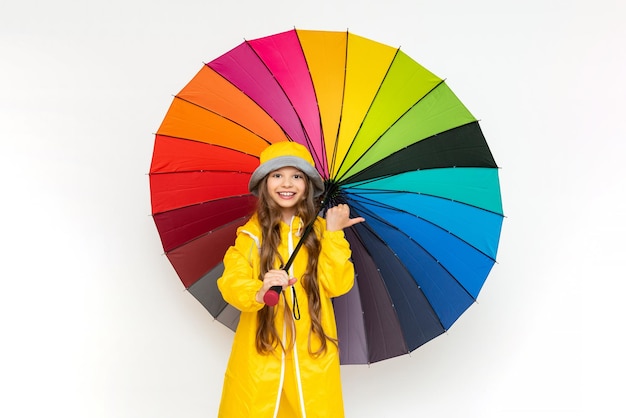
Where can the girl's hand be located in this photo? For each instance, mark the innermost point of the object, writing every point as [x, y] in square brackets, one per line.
[274, 278]
[338, 218]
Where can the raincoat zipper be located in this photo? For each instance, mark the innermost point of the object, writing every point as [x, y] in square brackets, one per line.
[296, 365]
[294, 304]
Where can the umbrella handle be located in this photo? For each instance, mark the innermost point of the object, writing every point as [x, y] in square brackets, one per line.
[272, 295]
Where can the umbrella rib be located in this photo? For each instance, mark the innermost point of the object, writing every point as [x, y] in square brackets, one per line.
[200, 203]
[216, 314]
[211, 144]
[199, 171]
[388, 127]
[418, 244]
[373, 232]
[240, 220]
[304, 131]
[349, 179]
[425, 250]
[368, 109]
[322, 158]
[223, 117]
[382, 205]
[362, 192]
[367, 250]
[343, 97]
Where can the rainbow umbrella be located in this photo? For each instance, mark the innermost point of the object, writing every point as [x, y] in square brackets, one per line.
[388, 136]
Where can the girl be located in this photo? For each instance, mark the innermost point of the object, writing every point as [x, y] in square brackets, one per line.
[284, 360]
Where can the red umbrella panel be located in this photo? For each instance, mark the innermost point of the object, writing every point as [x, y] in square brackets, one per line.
[389, 138]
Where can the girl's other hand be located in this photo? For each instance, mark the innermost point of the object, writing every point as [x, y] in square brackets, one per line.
[338, 218]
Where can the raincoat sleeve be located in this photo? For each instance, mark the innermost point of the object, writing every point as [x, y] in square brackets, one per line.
[335, 269]
[239, 282]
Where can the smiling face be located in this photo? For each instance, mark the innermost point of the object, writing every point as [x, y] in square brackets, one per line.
[287, 187]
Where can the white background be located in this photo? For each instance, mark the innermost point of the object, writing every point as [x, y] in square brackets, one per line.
[94, 321]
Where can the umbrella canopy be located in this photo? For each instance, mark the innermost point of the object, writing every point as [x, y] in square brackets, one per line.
[390, 139]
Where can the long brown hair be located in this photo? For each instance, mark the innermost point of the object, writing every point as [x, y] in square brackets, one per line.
[269, 217]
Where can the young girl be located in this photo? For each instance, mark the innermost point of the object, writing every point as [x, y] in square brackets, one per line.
[284, 360]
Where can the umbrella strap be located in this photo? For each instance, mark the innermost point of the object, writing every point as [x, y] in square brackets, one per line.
[287, 266]
[296, 306]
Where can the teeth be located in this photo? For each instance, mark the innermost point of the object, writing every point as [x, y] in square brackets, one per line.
[286, 193]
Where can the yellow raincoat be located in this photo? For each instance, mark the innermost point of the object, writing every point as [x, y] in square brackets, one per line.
[255, 383]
